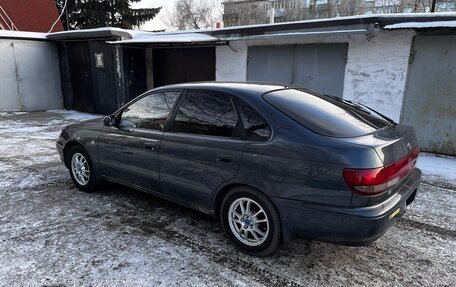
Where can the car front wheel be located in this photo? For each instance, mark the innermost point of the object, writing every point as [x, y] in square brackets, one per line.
[81, 169]
[251, 221]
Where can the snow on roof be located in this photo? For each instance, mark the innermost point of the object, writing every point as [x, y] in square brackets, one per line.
[168, 38]
[340, 20]
[421, 25]
[96, 32]
[22, 35]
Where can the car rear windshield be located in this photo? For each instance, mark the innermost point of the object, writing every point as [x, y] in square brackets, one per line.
[326, 115]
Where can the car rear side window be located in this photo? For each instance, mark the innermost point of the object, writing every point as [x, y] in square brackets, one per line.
[151, 111]
[256, 127]
[326, 115]
[205, 113]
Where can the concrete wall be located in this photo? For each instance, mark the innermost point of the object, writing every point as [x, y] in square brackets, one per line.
[29, 76]
[375, 73]
[231, 62]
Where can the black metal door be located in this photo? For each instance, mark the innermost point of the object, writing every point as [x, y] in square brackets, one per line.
[180, 65]
[80, 75]
[135, 72]
[104, 88]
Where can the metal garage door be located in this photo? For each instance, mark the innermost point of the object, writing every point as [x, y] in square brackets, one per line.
[430, 99]
[319, 67]
[38, 71]
[9, 90]
[29, 76]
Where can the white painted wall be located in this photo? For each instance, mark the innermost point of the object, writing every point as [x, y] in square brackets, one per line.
[231, 62]
[29, 76]
[376, 69]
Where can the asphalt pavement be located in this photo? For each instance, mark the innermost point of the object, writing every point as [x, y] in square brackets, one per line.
[51, 234]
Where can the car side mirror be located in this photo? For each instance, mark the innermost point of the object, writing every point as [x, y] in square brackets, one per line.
[109, 121]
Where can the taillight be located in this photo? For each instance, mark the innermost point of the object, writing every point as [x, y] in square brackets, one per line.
[377, 180]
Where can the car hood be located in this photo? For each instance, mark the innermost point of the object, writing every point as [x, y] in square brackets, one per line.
[94, 125]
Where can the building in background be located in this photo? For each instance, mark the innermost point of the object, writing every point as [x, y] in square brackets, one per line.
[29, 15]
[248, 12]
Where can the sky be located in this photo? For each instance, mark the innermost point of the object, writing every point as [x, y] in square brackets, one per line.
[156, 23]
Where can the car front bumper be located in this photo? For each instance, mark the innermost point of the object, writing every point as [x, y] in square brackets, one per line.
[59, 145]
[345, 225]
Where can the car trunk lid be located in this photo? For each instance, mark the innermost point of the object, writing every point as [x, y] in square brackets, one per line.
[397, 147]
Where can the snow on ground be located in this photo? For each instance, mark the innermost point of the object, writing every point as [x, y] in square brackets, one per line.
[51, 234]
[36, 133]
[438, 168]
[74, 115]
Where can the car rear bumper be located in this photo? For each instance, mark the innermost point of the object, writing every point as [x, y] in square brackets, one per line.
[352, 226]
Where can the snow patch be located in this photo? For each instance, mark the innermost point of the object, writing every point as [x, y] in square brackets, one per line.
[74, 115]
[418, 25]
[22, 35]
[438, 167]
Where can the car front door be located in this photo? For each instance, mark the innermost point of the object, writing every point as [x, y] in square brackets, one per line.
[128, 151]
[201, 149]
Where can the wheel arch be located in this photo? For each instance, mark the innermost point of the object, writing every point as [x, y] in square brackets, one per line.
[287, 231]
[67, 147]
[226, 188]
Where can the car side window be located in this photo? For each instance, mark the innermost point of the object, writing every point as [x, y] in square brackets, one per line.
[256, 127]
[149, 112]
[205, 113]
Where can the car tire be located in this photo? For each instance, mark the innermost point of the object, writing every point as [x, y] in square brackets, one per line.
[81, 169]
[251, 221]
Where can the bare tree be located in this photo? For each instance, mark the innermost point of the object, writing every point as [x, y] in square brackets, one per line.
[192, 14]
[350, 7]
[245, 13]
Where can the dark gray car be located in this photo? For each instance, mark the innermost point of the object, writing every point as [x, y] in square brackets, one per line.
[274, 163]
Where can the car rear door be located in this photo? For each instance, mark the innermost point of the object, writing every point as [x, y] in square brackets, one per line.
[202, 147]
[128, 151]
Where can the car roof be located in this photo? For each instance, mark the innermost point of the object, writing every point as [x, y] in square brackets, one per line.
[251, 88]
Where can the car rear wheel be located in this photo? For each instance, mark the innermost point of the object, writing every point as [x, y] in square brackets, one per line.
[251, 221]
[81, 169]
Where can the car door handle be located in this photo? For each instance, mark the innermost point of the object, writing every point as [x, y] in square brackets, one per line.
[225, 158]
[150, 146]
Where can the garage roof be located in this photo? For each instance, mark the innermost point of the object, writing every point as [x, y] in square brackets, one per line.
[167, 39]
[106, 32]
[212, 37]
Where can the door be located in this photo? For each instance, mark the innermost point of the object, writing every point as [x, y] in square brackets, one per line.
[9, 91]
[128, 151]
[80, 75]
[430, 97]
[181, 65]
[135, 72]
[102, 72]
[29, 76]
[319, 67]
[270, 64]
[202, 148]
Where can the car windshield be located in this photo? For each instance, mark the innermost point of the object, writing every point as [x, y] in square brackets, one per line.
[327, 115]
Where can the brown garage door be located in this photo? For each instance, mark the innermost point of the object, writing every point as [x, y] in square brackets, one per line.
[180, 65]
